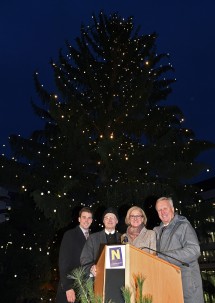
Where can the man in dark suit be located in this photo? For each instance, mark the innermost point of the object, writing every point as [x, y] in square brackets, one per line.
[96, 241]
[69, 256]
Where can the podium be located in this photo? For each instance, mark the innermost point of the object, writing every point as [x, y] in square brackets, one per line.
[117, 266]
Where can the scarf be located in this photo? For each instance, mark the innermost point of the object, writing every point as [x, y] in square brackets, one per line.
[133, 232]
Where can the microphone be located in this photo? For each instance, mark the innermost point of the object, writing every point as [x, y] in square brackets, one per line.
[161, 253]
[125, 240]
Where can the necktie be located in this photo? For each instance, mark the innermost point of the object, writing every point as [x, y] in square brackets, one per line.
[86, 233]
[159, 240]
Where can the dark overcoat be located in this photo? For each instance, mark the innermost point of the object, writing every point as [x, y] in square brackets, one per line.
[69, 258]
[93, 248]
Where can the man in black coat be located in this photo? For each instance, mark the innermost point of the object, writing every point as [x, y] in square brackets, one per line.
[69, 256]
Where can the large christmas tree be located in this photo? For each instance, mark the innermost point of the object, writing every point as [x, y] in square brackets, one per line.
[109, 137]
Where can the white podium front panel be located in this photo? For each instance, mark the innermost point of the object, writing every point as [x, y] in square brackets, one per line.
[115, 257]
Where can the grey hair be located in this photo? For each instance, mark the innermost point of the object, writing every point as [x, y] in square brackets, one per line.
[169, 199]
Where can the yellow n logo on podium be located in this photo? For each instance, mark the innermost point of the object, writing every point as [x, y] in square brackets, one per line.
[115, 255]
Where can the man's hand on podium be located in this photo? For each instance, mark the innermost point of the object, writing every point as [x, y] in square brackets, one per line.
[93, 270]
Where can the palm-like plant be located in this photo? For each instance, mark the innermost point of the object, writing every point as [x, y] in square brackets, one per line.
[85, 292]
[137, 291]
[84, 287]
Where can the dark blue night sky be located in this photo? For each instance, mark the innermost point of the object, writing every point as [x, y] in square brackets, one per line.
[32, 32]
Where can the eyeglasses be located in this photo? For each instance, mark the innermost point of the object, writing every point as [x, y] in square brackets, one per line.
[109, 218]
[135, 217]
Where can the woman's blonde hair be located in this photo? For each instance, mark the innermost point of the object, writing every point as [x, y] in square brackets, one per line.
[127, 218]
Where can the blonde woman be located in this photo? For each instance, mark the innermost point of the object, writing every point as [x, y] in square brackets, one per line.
[137, 234]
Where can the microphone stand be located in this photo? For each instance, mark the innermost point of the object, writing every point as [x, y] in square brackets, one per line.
[161, 253]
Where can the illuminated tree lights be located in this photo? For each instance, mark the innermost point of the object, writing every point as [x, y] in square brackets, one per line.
[108, 124]
[109, 136]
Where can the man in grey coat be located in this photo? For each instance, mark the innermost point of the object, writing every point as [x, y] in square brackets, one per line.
[177, 239]
[96, 241]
